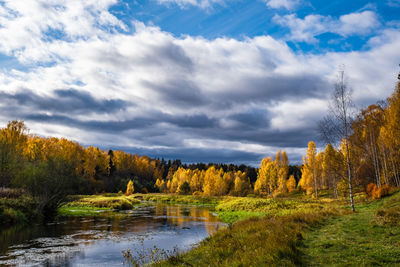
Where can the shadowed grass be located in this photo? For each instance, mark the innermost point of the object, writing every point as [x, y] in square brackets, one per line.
[16, 210]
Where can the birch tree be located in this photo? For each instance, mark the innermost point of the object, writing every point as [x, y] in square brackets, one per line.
[336, 126]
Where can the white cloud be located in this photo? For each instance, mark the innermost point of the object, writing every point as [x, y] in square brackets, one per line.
[255, 91]
[288, 4]
[305, 30]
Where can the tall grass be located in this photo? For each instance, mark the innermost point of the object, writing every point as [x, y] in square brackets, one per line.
[266, 241]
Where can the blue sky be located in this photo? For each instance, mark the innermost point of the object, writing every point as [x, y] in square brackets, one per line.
[199, 80]
[240, 19]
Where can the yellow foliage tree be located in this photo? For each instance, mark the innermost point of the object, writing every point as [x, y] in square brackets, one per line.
[291, 183]
[129, 188]
[261, 185]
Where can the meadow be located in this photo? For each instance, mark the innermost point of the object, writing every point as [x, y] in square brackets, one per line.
[288, 231]
[299, 231]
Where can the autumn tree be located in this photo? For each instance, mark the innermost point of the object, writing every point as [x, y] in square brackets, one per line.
[241, 184]
[262, 184]
[331, 168]
[291, 184]
[12, 142]
[283, 171]
[129, 188]
[308, 181]
[337, 126]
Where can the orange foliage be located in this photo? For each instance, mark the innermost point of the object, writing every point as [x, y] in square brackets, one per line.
[375, 192]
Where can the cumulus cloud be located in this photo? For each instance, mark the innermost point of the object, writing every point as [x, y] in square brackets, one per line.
[185, 97]
[306, 30]
[287, 4]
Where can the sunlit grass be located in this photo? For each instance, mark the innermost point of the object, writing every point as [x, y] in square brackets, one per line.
[82, 211]
[117, 202]
[181, 199]
[266, 241]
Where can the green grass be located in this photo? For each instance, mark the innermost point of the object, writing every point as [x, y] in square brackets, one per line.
[108, 201]
[266, 241]
[365, 238]
[261, 232]
[232, 209]
[231, 217]
[82, 211]
[180, 199]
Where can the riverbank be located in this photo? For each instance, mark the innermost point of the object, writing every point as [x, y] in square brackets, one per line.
[16, 209]
[330, 235]
[92, 205]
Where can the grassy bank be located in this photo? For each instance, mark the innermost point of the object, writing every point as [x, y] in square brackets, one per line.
[232, 209]
[370, 237]
[266, 241]
[270, 237]
[180, 199]
[16, 210]
[301, 232]
[88, 205]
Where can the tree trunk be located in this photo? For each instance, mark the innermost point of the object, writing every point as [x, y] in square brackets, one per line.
[349, 176]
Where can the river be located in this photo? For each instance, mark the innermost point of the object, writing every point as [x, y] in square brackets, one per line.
[100, 240]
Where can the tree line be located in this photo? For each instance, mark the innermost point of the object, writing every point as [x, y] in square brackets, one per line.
[367, 158]
[370, 155]
[51, 168]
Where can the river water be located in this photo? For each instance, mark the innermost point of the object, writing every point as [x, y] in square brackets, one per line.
[100, 240]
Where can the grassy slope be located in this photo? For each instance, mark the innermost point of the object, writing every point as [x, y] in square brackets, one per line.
[356, 239]
[268, 241]
[333, 237]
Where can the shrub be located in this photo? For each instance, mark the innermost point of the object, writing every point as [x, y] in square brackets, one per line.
[11, 192]
[370, 190]
[184, 189]
[374, 192]
[145, 191]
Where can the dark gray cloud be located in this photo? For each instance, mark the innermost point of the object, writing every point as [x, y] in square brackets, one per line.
[259, 119]
[64, 101]
[139, 123]
[277, 88]
[178, 92]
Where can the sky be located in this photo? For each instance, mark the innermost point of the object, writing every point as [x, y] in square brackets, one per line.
[200, 80]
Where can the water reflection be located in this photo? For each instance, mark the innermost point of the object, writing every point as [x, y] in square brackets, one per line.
[99, 240]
